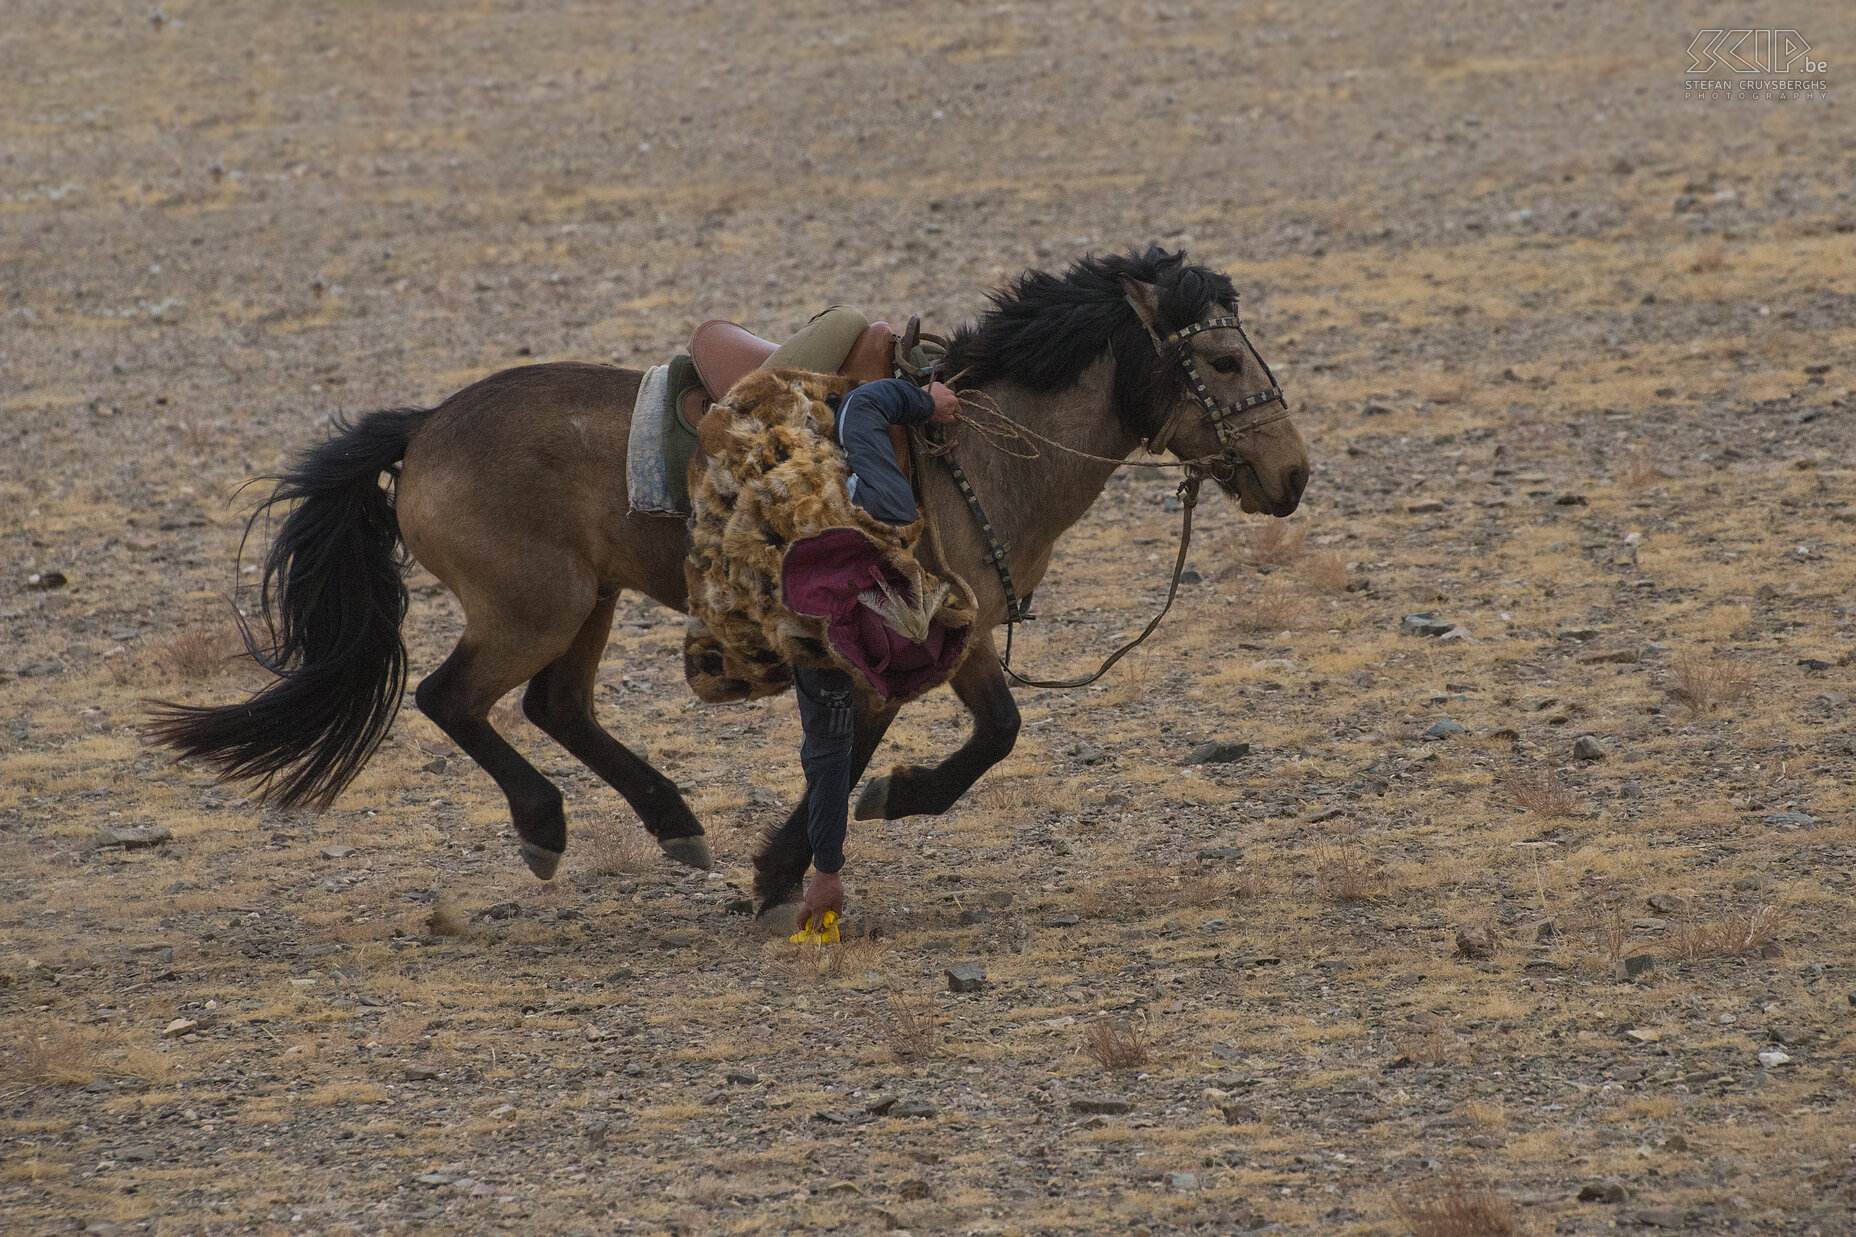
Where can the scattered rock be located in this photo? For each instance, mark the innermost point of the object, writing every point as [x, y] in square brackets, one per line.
[1062, 921]
[969, 977]
[1634, 966]
[1621, 657]
[1214, 854]
[1795, 819]
[913, 1108]
[1101, 1105]
[434, 1179]
[437, 764]
[419, 1073]
[1217, 752]
[1424, 623]
[1372, 408]
[320, 949]
[1445, 728]
[1457, 634]
[1663, 1217]
[1643, 1035]
[135, 838]
[179, 1027]
[1541, 931]
[1425, 506]
[1666, 903]
[1606, 1190]
[1326, 814]
[139, 1153]
[45, 581]
[1580, 634]
[339, 851]
[1570, 500]
[1182, 1181]
[1586, 747]
[1475, 942]
[677, 938]
[500, 910]
[1772, 1058]
[913, 1190]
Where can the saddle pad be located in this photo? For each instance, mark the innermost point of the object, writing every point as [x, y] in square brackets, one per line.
[647, 472]
[679, 433]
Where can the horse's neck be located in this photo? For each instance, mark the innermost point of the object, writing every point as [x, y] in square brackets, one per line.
[1031, 502]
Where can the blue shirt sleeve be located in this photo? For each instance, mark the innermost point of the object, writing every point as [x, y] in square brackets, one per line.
[864, 419]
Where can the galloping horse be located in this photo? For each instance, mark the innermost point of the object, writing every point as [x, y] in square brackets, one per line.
[512, 492]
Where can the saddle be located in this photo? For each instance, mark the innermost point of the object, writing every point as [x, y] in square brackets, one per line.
[724, 353]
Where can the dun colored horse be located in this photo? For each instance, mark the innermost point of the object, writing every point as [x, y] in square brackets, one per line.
[512, 492]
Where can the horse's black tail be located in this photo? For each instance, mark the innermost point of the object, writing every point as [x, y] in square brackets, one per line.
[332, 599]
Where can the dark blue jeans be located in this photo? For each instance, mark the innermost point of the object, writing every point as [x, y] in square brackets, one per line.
[827, 716]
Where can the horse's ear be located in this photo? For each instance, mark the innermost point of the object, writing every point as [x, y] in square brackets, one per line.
[1146, 301]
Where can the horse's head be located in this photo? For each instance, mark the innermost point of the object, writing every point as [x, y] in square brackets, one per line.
[1213, 395]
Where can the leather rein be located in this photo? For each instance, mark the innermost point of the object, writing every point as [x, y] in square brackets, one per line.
[1232, 422]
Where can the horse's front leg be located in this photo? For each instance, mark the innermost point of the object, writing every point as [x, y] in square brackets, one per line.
[780, 867]
[912, 790]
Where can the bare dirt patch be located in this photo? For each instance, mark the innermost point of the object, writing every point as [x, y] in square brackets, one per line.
[1573, 358]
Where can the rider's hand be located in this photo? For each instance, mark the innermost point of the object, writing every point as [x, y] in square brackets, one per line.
[946, 404]
[824, 892]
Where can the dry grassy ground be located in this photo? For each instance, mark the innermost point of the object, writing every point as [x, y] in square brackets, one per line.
[1606, 337]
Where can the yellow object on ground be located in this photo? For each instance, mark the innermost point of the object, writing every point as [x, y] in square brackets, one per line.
[825, 934]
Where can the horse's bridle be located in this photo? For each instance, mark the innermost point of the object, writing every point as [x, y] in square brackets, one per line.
[1231, 422]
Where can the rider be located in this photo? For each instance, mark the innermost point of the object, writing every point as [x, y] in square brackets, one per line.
[878, 486]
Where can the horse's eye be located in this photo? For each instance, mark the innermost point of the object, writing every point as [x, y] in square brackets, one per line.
[1226, 365]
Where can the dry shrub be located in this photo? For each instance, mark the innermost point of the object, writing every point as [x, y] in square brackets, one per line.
[1106, 899]
[1453, 1209]
[447, 919]
[67, 1055]
[1703, 682]
[1198, 887]
[1642, 472]
[1278, 542]
[1272, 610]
[1114, 1045]
[1713, 258]
[1742, 934]
[1346, 873]
[1485, 1118]
[197, 652]
[1540, 793]
[1326, 572]
[619, 850]
[1251, 883]
[911, 1029]
[1617, 938]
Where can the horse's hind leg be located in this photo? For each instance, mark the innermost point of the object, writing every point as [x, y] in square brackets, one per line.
[457, 697]
[560, 701]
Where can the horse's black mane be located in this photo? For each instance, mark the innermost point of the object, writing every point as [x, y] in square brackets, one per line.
[1044, 330]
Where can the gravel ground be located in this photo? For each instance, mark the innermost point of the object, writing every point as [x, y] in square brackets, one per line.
[1546, 915]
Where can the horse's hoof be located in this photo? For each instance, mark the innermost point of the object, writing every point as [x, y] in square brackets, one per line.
[691, 851]
[873, 803]
[541, 861]
[780, 920]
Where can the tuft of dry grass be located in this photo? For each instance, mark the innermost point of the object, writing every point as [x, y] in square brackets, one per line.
[1703, 682]
[618, 850]
[196, 652]
[1114, 1045]
[911, 1029]
[1345, 873]
[1642, 472]
[1278, 543]
[1711, 259]
[1326, 572]
[1541, 793]
[71, 1056]
[1453, 1209]
[447, 919]
[1272, 610]
[1200, 888]
[1741, 934]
